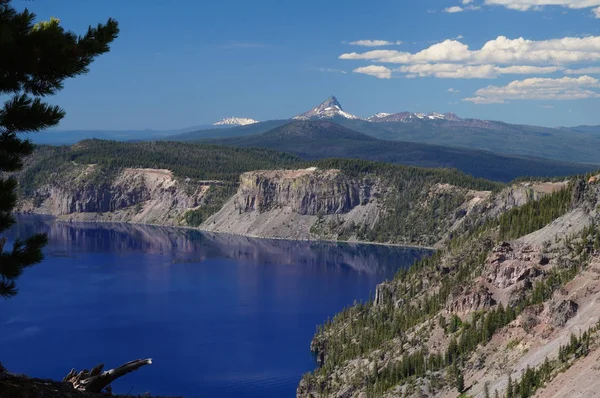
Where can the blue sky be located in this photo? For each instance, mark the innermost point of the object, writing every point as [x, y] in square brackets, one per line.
[187, 62]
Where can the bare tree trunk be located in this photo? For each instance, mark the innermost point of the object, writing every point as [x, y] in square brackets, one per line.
[95, 380]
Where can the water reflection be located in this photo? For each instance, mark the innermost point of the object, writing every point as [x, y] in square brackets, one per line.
[192, 246]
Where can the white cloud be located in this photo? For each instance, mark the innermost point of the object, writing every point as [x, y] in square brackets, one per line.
[565, 88]
[330, 70]
[452, 90]
[374, 43]
[501, 50]
[458, 71]
[525, 5]
[592, 70]
[468, 6]
[527, 69]
[380, 72]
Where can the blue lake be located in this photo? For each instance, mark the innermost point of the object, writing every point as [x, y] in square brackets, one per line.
[221, 316]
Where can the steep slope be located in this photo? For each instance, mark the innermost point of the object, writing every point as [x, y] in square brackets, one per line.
[323, 139]
[512, 302]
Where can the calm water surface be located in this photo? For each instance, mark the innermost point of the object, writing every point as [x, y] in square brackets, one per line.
[221, 316]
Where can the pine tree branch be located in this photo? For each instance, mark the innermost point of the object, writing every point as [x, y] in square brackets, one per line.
[12, 150]
[24, 114]
[56, 54]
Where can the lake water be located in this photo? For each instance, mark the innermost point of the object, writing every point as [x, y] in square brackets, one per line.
[221, 316]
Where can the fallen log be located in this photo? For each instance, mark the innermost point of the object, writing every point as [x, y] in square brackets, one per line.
[96, 380]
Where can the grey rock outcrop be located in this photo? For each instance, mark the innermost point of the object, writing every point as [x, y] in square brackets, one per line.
[561, 311]
[306, 192]
[464, 301]
[507, 265]
[290, 203]
[133, 195]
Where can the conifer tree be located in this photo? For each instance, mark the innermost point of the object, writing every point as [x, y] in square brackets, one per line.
[509, 388]
[35, 60]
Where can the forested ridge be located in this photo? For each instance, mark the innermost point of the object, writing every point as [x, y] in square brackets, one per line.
[405, 187]
[403, 322]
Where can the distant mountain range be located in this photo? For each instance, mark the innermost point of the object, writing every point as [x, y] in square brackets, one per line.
[448, 129]
[332, 109]
[575, 144]
[319, 139]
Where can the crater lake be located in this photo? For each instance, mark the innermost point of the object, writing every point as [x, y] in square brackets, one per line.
[220, 315]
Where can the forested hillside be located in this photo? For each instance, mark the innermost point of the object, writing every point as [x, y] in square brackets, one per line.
[201, 162]
[491, 311]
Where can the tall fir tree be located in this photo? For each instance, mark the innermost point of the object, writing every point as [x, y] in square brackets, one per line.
[35, 61]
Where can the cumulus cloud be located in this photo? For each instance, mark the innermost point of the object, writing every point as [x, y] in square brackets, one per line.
[452, 90]
[501, 50]
[380, 72]
[565, 88]
[596, 12]
[374, 43]
[453, 9]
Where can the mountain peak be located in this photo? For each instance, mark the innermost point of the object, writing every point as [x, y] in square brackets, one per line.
[235, 121]
[328, 109]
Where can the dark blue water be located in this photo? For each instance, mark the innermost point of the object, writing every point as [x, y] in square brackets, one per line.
[221, 316]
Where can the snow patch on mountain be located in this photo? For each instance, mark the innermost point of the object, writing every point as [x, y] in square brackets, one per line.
[405, 117]
[235, 121]
[328, 109]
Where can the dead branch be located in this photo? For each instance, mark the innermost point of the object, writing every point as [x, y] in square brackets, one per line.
[95, 380]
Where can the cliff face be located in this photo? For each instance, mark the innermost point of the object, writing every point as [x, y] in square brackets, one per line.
[286, 204]
[306, 192]
[149, 196]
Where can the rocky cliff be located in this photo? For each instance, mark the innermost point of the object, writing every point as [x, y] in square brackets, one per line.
[309, 192]
[288, 203]
[150, 196]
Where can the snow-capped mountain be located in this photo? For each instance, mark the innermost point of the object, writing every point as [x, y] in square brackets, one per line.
[330, 108]
[235, 121]
[404, 117]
